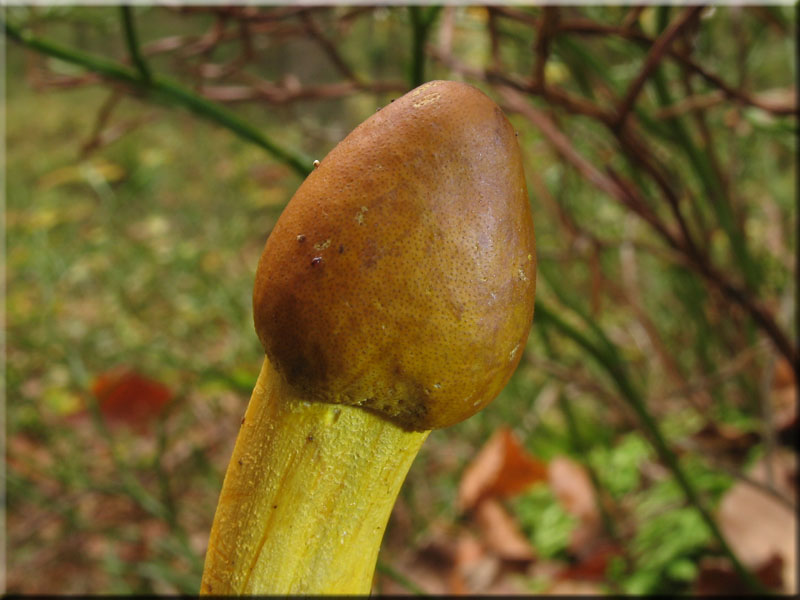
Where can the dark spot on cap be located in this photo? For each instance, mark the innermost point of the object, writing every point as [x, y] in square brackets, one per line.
[316, 261]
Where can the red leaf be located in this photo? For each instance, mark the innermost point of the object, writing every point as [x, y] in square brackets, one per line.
[502, 468]
[717, 577]
[127, 397]
[593, 564]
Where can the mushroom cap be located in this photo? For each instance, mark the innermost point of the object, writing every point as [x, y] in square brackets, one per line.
[401, 275]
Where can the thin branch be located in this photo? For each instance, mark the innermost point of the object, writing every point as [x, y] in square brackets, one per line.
[632, 16]
[216, 71]
[519, 104]
[103, 115]
[516, 14]
[211, 39]
[587, 27]
[554, 95]
[163, 89]
[728, 371]
[653, 430]
[573, 377]
[494, 38]
[633, 199]
[654, 56]
[759, 313]
[640, 154]
[548, 23]
[616, 187]
[708, 143]
[313, 28]
[691, 104]
[265, 91]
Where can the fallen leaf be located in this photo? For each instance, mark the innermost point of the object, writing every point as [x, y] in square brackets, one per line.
[725, 441]
[500, 532]
[784, 398]
[576, 588]
[760, 527]
[127, 397]
[571, 485]
[784, 374]
[475, 569]
[718, 578]
[593, 564]
[429, 567]
[501, 469]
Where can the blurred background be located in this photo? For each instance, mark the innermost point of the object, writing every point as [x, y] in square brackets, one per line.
[646, 444]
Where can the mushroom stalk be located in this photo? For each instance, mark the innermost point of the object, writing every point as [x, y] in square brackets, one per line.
[394, 296]
[306, 497]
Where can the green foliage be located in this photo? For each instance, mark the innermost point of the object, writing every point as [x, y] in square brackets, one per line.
[545, 521]
[619, 467]
[669, 538]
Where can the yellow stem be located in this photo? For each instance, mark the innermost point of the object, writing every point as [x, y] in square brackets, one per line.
[306, 497]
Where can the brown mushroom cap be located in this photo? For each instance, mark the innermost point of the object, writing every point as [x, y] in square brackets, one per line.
[401, 275]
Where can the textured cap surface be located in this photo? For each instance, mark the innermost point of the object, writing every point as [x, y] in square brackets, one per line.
[401, 275]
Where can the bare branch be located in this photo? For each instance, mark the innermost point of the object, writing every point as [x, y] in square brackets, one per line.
[587, 27]
[546, 28]
[654, 56]
[313, 28]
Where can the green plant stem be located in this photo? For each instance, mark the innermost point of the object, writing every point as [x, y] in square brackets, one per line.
[421, 21]
[132, 40]
[165, 90]
[704, 171]
[545, 316]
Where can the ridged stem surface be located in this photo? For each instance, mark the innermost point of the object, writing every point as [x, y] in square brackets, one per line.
[306, 497]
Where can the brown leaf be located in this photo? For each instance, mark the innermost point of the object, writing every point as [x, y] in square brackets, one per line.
[784, 374]
[502, 468]
[500, 532]
[593, 564]
[757, 525]
[718, 578]
[129, 398]
[784, 399]
[570, 483]
[474, 569]
[725, 441]
[784, 408]
[575, 588]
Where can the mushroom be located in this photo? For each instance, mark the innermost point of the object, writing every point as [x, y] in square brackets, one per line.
[394, 296]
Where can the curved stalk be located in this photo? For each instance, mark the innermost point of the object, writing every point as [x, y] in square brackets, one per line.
[306, 497]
